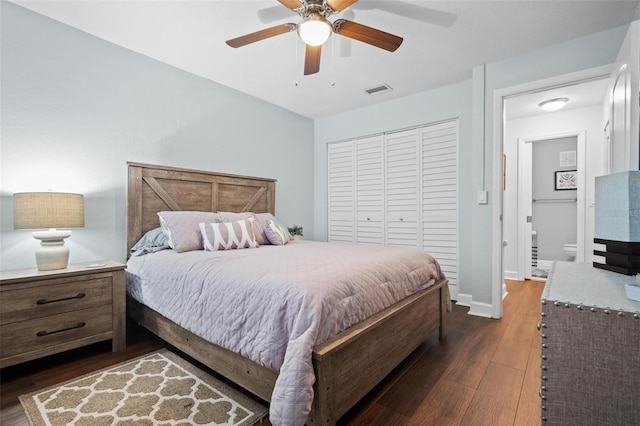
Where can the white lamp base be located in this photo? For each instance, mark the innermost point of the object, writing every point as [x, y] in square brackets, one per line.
[52, 254]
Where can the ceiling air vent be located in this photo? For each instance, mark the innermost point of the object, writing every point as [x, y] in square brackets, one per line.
[383, 88]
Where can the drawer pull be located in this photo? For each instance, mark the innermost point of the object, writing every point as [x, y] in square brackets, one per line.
[46, 333]
[45, 301]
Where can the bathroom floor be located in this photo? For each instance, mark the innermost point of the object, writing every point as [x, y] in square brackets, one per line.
[539, 273]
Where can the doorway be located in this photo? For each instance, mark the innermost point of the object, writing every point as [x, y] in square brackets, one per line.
[505, 186]
[622, 129]
[550, 218]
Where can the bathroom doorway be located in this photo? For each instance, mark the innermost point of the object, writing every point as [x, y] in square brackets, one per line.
[526, 125]
[551, 226]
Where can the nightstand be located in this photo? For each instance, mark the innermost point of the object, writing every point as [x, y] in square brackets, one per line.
[45, 312]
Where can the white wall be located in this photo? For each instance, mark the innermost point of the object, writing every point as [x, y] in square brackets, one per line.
[75, 109]
[540, 126]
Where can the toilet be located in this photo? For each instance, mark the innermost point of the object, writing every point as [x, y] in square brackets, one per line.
[571, 250]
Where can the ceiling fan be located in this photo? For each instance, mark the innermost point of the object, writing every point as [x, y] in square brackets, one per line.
[315, 29]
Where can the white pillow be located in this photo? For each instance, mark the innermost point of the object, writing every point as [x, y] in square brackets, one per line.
[276, 234]
[182, 230]
[228, 235]
[258, 229]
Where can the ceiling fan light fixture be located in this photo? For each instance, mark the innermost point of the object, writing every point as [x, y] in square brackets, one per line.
[553, 104]
[315, 29]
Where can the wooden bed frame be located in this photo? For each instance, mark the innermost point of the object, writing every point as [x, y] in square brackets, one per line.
[347, 366]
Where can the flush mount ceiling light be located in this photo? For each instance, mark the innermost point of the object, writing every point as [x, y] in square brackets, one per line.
[315, 30]
[553, 104]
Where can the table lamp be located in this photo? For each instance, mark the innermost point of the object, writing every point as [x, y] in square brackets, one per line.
[49, 210]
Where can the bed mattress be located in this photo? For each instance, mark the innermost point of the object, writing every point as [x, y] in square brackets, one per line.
[274, 304]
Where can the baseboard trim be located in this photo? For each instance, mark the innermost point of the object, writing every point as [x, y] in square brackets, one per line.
[477, 308]
[480, 309]
[464, 300]
[511, 275]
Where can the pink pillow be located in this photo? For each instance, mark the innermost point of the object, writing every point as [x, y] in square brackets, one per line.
[183, 228]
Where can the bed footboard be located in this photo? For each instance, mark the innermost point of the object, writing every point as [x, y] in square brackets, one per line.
[348, 366]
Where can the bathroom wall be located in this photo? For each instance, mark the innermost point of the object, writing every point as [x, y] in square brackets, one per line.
[554, 216]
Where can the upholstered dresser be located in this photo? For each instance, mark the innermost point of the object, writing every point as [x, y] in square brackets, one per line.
[590, 348]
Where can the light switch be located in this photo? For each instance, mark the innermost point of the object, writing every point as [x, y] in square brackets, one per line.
[483, 197]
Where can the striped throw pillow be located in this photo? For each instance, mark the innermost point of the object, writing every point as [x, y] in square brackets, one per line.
[258, 230]
[228, 235]
[277, 234]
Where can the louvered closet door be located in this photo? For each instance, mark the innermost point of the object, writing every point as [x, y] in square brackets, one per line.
[340, 192]
[369, 190]
[402, 188]
[440, 196]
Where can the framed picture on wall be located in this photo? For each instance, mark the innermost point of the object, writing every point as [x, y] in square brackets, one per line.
[566, 179]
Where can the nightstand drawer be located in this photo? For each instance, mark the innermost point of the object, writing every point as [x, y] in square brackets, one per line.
[34, 335]
[51, 297]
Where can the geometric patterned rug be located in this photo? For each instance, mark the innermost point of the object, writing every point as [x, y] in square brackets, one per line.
[156, 389]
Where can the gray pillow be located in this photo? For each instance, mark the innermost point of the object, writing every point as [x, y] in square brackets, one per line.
[228, 235]
[151, 242]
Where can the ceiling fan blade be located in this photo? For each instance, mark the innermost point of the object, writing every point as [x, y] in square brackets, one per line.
[367, 35]
[273, 14]
[312, 59]
[291, 4]
[261, 35]
[340, 5]
[411, 11]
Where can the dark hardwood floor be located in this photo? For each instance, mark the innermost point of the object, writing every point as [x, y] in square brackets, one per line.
[486, 372]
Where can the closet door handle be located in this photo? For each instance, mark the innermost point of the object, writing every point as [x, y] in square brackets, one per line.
[45, 301]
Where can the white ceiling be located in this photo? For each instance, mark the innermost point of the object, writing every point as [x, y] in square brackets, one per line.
[580, 96]
[443, 41]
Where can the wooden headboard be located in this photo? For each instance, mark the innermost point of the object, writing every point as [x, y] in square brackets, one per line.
[152, 189]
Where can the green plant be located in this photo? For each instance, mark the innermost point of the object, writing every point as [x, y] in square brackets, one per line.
[295, 230]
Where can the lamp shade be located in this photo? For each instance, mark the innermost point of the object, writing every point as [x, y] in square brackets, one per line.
[45, 210]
